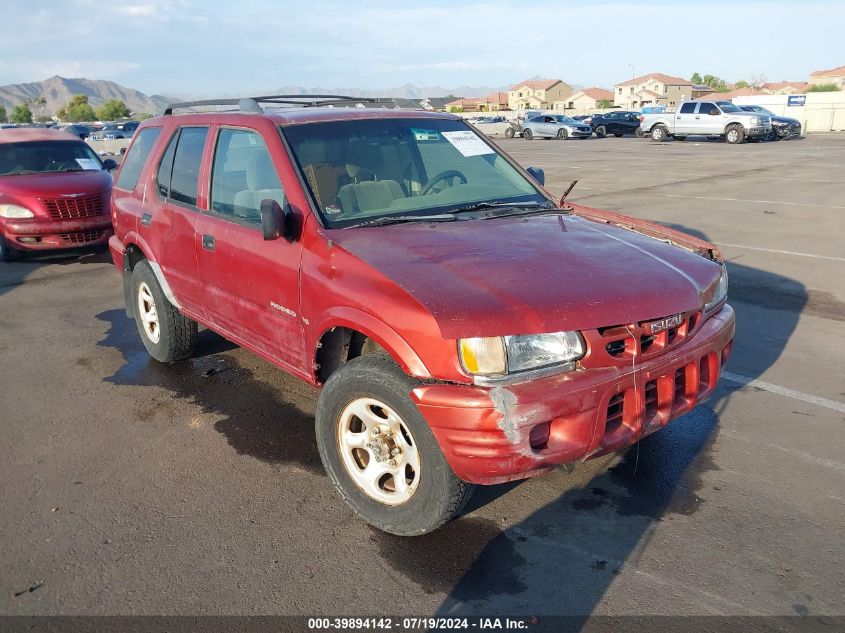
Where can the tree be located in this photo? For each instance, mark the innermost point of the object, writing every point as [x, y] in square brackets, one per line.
[823, 88]
[604, 104]
[696, 79]
[21, 114]
[77, 110]
[2, 114]
[742, 84]
[112, 110]
[757, 80]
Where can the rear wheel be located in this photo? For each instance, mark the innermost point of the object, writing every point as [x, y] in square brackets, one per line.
[167, 334]
[380, 453]
[527, 135]
[734, 135]
[508, 132]
[7, 253]
[562, 133]
[601, 131]
[658, 133]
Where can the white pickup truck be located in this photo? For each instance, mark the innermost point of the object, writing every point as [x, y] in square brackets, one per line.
[707, 118]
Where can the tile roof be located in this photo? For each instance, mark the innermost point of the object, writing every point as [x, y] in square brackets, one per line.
[833, 72]
[727, 96]
[500, 98]
[537, 84]
[597, 93]
[665, 79]
[780, 85]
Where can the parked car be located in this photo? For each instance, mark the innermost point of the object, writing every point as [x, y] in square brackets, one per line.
[82, 131]
[583, 118]
[464, 329]
[616, 123]
[116, 131]
[554, 126]
[782, 126]
[54, 192]
[708, 118]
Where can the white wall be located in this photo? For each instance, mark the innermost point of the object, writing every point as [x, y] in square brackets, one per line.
[823, 112]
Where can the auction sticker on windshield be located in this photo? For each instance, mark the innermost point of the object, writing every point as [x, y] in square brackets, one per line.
[88, 163]
[467, 143]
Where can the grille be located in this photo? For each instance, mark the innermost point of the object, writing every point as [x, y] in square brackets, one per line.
[615, 410]
[72, 208]
[81, 237]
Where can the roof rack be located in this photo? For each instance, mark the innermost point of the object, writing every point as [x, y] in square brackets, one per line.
[252, 104]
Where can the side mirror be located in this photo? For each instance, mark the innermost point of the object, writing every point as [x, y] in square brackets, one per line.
[715, 112]
[109, 164]
[537, 174]
[277, 221]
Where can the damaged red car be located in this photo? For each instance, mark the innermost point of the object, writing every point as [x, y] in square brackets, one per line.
[54, 192]
[465, 327]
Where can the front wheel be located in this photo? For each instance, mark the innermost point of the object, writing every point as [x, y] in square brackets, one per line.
[380, 453]
[601, 131]
[562, 134]
[167, 334]
[527, 135]
[509, 132]
[734, 135]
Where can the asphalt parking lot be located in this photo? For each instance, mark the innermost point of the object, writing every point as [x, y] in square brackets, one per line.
[129, 487]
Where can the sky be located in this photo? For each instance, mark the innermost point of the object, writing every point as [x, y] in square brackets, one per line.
[211, 47]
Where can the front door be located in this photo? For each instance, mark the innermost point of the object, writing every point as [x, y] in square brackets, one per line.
[709, 119]
[251, 285]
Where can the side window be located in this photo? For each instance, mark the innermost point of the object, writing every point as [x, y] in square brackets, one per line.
[708, 108]
[688, 108]
[165, 167]
[186, 165]
[243, 175]
[137, 156]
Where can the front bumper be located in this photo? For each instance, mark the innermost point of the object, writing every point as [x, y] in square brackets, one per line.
[38, 234]
[580, 133]
[492, 435]
[762, 130]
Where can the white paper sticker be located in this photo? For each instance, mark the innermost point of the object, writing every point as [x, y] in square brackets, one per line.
[468, 143]
[88, 163]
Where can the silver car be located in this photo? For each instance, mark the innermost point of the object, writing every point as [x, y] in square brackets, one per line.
[554, 126]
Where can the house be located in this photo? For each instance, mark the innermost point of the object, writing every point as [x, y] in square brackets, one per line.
[463, 105]
[699, 90]
[436, 103]
[493, 102]
[652, 89]
[538, 94]
[585, 101]
[785, 87]
[832, 76]
[748, 91]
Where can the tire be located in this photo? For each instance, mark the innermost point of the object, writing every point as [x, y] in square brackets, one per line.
[618, 135]
[601, 131]
[658, 134]
[508, 132]
[7, 253]
[734, 135]
[562, 134]
[527, 135]
[786, 134]
[172, 336]
[375, 386]
[638, 132]
[680, 138]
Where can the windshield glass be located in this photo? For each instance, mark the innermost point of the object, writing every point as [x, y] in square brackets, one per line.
[366, 169]
[46, 156]
[565, 119]
[727, 106]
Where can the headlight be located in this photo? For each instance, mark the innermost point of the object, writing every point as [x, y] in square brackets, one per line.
[721, 291]
[14, 211]
[513, 354]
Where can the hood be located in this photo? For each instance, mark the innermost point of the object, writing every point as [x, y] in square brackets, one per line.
[527, 275]
[785, 120]
[52, 185]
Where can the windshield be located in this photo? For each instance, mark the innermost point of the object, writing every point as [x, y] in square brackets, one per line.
[727, 106]
[565, 119]
[46, 157]
[366, 169]
[756, 108]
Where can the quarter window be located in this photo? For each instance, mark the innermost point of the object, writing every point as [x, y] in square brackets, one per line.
[137, 156]
[186, 165]
[243, 176]
[688, 108]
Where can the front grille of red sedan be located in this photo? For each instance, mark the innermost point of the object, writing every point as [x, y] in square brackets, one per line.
[82, 237]
[72, 208]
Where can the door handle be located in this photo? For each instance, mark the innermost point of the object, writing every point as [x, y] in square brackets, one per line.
[208, 242]
[698, 117]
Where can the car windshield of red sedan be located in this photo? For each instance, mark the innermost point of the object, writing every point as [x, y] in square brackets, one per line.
[363, 171]
[46, 157]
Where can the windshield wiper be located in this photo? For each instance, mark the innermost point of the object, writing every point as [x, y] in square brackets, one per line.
[398, 219]
[496, 204]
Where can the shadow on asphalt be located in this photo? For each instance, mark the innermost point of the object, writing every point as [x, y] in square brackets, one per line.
[563, 557]
[13, 274]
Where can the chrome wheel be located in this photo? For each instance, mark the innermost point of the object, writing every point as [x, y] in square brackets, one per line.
[148, 312]
[378, 451]
[733, 136]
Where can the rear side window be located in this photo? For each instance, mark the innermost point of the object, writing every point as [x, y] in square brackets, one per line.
[137, 156]
[688, 108]
[178, 173]
[243, 176]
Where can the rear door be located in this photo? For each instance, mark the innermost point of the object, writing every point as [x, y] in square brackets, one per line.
[251, 286]
[686, 120]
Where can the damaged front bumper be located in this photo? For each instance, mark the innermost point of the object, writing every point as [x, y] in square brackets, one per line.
[492, 435]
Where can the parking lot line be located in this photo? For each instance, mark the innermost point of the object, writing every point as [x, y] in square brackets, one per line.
[794, 204]
[774, 250]
[785, 391]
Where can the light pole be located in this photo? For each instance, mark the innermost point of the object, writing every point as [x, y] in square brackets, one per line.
[630, 101]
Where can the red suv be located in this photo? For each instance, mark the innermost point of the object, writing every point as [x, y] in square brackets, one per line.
[464, 326]
[54, 192]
